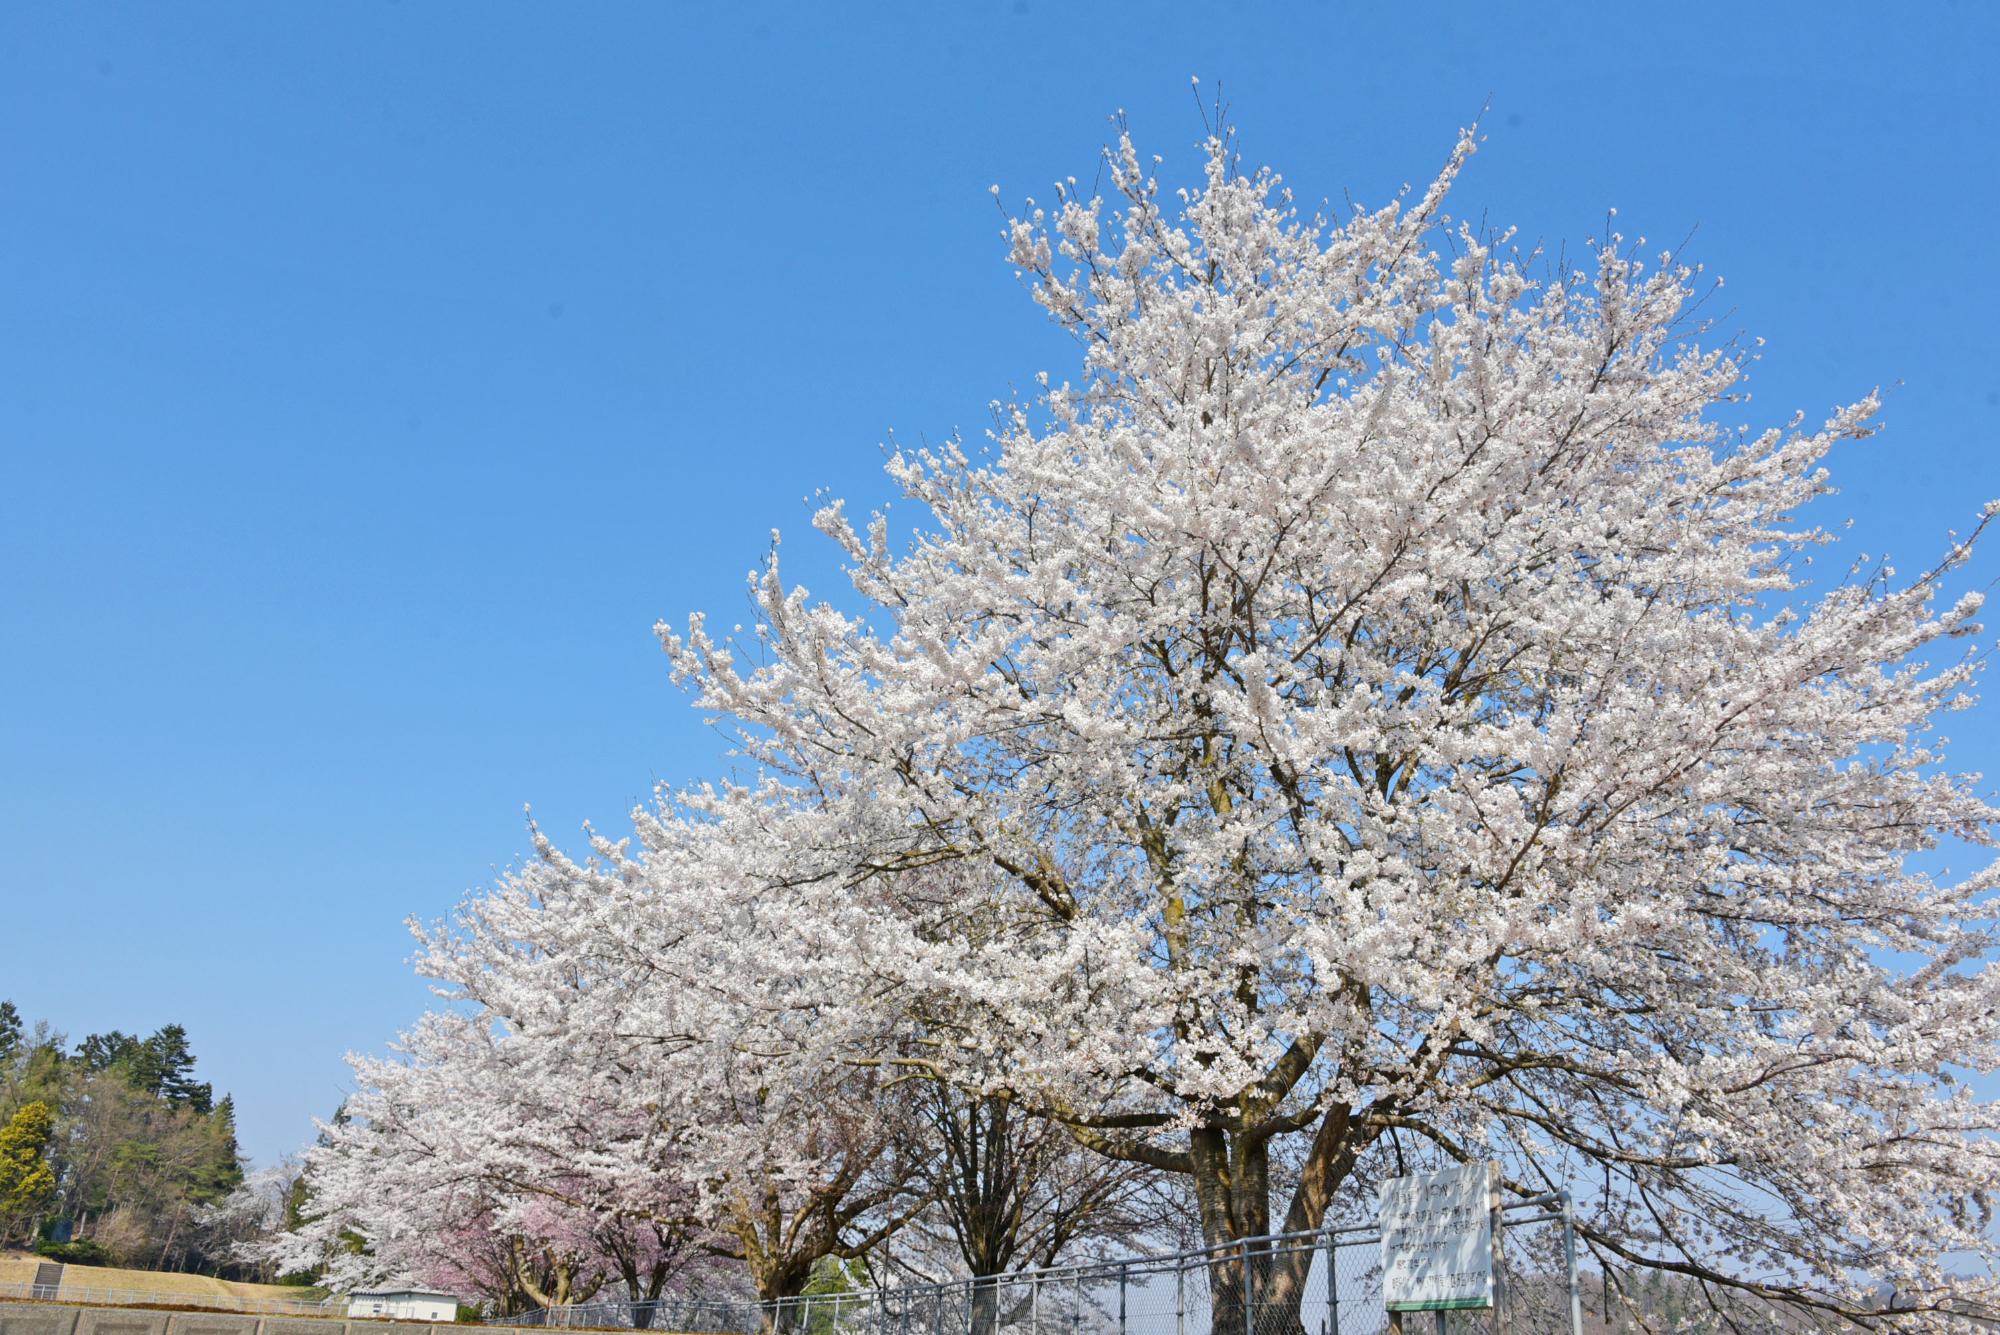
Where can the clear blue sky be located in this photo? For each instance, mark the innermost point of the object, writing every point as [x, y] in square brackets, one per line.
[373, 376]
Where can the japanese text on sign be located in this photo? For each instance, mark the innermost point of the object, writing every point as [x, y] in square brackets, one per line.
[1437, 1239]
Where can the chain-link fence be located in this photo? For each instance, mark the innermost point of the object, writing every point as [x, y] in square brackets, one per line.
[1327, 1282]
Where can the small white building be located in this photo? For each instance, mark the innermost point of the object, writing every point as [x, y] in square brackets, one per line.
[403, 1304]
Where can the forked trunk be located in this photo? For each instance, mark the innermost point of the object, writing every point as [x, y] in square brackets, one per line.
[1259, 1288]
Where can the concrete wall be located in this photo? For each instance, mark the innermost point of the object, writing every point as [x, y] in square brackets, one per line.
[18, 1318]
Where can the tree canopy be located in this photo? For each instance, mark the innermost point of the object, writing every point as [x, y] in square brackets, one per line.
[1381, 707]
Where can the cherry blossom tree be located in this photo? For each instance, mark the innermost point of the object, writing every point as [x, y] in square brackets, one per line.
[1386, 694]
[252, 1216]
[657, 991]
[684, 993]
[461, 1166]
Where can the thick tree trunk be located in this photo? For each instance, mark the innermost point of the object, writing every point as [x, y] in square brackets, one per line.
[778, 1285]
[985, 1316]
[1255, 1291]
[1278, 1289]
[642, 1300]
[1259, 1289]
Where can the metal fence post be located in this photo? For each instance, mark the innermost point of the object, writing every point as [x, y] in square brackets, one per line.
[1499, 1264]
[1569, 1260]
[1333, 1283]
[1180, 1297]
[1249, 1294]
[1121, 1300]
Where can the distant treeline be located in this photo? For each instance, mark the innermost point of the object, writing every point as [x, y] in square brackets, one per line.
[111, 1151]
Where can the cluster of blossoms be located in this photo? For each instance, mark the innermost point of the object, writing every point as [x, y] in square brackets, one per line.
[459, 1168]
[1376, 711]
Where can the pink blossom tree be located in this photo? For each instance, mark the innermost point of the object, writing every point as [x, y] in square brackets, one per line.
[694, 1024]
[462, 1167]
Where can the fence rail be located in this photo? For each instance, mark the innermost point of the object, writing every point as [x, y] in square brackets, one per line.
[1326, 1282]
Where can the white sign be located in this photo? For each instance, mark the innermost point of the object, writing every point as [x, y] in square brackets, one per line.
[1437, 1239]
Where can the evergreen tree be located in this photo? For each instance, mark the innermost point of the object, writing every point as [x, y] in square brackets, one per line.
[31, 1065]
[225, 1163]
[164, 1066]
[10, 1031]
[102, 1052]
[27, 1183]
